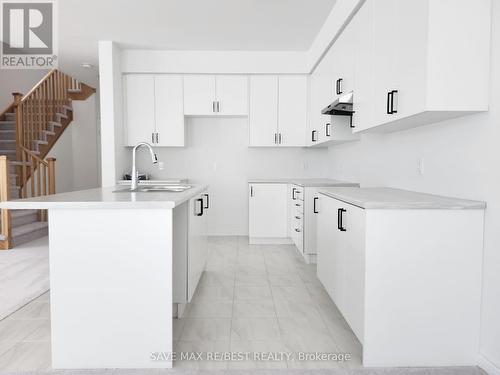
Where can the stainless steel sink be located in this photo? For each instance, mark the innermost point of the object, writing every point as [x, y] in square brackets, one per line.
[156, 188]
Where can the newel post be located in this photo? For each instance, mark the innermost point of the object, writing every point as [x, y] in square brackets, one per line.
[52, 175]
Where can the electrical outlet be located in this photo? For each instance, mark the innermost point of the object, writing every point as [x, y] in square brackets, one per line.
[420, 166]
[160, 165]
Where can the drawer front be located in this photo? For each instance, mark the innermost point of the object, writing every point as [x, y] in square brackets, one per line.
[298, 206]
[299, 192]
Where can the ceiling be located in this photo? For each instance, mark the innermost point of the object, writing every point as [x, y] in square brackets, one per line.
[277, 25]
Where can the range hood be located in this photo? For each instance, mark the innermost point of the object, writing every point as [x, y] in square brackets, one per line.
[342, 106]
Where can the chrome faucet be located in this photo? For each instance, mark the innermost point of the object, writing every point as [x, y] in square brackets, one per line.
[133, 184]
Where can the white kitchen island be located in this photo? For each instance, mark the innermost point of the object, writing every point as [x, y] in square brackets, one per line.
[111, 273]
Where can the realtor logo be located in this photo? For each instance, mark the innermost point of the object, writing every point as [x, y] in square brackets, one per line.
[28, 37]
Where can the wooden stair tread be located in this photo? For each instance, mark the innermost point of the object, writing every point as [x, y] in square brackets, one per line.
[21, 213]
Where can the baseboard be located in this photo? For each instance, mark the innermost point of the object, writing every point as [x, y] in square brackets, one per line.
[269, 241]
[488, 366]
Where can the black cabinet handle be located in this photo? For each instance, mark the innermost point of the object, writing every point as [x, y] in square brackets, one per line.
[201, 207]
[389, 94]
[315, 210]
[293, 193]
[340, 225]
[392, 101]
[275, 138]
[340, 86]
[208, 201]
[313, 135]
[328, 129]
[279, 138]
[217, 106]
[251, 191]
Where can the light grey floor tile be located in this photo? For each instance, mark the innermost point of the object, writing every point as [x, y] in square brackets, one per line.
[259, 355]
[220, 277]
[16, 330]
[41, 331]
[221, 309]
[204, 348]
[285, 280]
[263, 308]
[255, 329]
[245, 292]
[177, 327]
[34, 310]
[26, 356]
[254, 269]
[251, 280]
[211, 329]
[213, 293]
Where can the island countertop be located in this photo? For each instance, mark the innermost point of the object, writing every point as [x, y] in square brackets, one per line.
[106, 197]
[390, 198]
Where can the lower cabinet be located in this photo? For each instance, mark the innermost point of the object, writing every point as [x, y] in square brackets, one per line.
[190, 246]
[407, 281]
[267, 213]
[340, 258]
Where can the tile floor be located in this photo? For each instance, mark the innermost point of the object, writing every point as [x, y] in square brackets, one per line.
[252, 298]
[258, 299]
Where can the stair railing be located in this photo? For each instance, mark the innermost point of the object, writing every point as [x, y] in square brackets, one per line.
[36, 110]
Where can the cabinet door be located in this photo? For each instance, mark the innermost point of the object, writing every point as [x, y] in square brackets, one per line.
[328, 244]
[232, 95]
[383, 58]
[292, 110]
[363, 72]
[321, 96]
[268, 214]
[344, 62]
[196, 244]
[139, 102]
[199, 95]
[263, 117]
[169, 110]
[354, 268]
[412, 24]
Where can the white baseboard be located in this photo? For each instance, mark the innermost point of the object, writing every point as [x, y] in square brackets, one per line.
[488, 366]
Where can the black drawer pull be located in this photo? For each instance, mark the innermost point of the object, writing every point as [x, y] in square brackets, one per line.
[340, 225]
[315, 209]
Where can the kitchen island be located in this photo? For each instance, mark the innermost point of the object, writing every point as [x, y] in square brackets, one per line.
[113, 272]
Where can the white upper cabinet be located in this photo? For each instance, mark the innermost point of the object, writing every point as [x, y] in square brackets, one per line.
[232, 95]
[139, 100]
[169, 111]
[263, 114]
[199, 95]
[278, 111]
[427, 66]
[208, 95]
[292, 110]
[153, 110]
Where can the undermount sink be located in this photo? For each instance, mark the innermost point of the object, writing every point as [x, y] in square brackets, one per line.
[156, 188]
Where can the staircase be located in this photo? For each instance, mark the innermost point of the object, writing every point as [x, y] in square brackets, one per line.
[29, 128]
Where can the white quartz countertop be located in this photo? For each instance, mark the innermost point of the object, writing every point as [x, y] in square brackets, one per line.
[304, 182]
[389, 198]
[106, 198]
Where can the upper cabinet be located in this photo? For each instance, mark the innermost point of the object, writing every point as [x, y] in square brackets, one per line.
[208, 95]
[153, 110]
[278, 110]
[425, 64]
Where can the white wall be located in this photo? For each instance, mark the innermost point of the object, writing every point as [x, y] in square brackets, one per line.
[461, 158]
[217, 154]
[14, 80]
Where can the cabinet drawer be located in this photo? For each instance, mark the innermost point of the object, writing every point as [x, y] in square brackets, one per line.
[298, 206]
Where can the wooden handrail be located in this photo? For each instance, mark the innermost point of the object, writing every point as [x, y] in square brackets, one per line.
[45, 77]
[35, 156]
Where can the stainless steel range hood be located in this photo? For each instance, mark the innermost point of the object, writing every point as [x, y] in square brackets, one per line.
[342, 106]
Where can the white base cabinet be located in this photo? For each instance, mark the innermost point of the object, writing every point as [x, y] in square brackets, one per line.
[190, 249]
[408, 281]
[268, 213]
